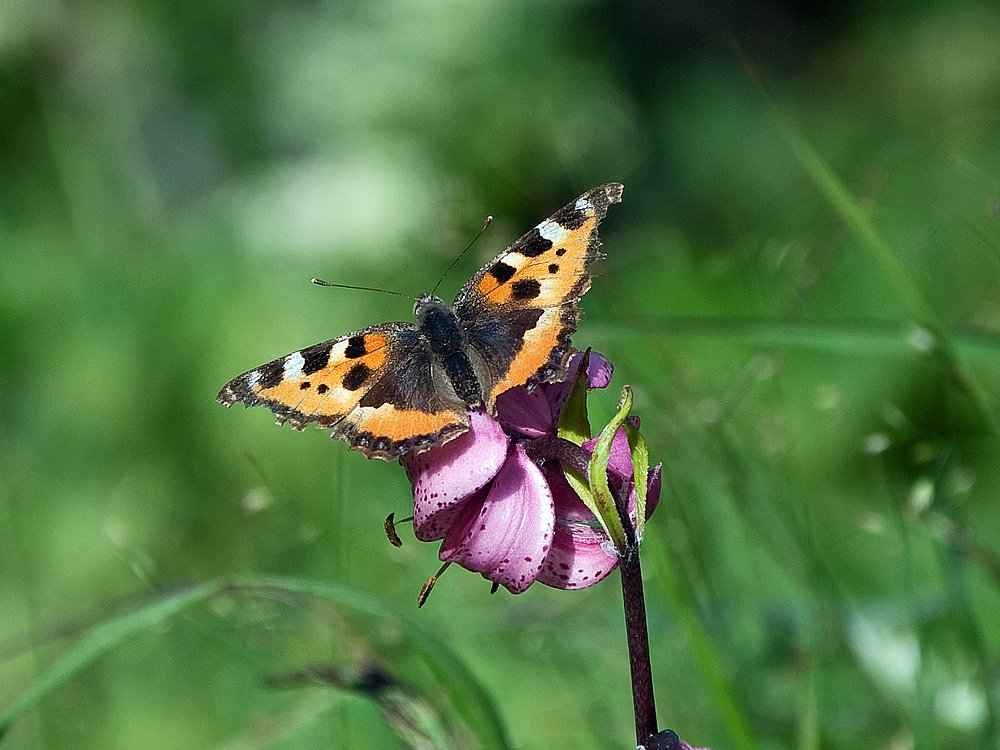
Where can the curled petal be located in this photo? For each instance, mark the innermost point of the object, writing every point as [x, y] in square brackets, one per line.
[653, 490]
[652, 493]
[505, 532]
[598, 376]
[527, 413]
[443, 477]
[580, 554]
[620, 460]
[598, 373]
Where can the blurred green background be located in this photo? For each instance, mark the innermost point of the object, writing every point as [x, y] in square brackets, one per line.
[801, 286]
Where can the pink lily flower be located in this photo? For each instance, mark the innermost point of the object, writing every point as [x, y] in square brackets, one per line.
[501, 514]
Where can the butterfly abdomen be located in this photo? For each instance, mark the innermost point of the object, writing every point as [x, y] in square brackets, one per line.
[438, 325]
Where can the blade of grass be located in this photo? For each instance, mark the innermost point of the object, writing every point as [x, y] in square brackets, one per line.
[709, 661]
[860, 223]
[466, 694]
[808, 710]
[98, 641]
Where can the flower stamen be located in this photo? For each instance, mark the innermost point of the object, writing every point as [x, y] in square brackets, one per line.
[390, 529]
[429, 584]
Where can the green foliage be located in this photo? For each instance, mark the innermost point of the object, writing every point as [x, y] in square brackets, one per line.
[801, 289]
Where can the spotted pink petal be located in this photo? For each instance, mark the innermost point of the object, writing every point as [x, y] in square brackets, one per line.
[580, 554]
[505, 532]
[578, 558]
[444, 477]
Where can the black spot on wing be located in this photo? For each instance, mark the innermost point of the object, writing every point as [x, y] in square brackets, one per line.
[502, 272]
[561, 251]
[316, 357]
[553, 268]
[304, 385]
[356, 376]
[525, 289]
[409, 384]
[355, 347]
[272, 373]
[570, 217]
[322, 388]
[531, 245]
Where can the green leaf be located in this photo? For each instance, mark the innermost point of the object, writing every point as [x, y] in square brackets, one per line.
[574, 424]
[607, 512]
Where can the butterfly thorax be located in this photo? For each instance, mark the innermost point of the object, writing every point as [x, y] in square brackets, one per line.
[442, 334]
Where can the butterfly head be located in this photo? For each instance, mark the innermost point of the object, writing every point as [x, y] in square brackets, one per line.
[438, 324]
[426, 302]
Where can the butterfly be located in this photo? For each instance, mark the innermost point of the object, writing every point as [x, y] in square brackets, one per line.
[400, 388]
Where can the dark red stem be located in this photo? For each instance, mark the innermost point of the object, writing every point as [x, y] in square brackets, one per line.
[638, 647]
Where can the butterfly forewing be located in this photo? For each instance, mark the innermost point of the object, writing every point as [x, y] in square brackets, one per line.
[373, 388]
[520, 310]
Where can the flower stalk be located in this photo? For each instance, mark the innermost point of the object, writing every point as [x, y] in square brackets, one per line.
[626, 532]
[607, 494]
[638, 647]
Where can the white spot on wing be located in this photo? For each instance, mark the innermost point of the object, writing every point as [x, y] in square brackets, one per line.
[584, 204]
[253, 379]
[293, 366]
[552, 231]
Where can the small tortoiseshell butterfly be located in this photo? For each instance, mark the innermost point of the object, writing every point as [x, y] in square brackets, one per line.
[406, 387]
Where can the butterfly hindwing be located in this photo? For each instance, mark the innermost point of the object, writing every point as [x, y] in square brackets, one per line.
[520, 310]
[374, 388]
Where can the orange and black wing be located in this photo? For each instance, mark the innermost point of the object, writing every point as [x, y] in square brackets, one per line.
[373, 388]
[520, 310]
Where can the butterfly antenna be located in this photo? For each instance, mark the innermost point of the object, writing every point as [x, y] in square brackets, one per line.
[320, 282]
[467, 248]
